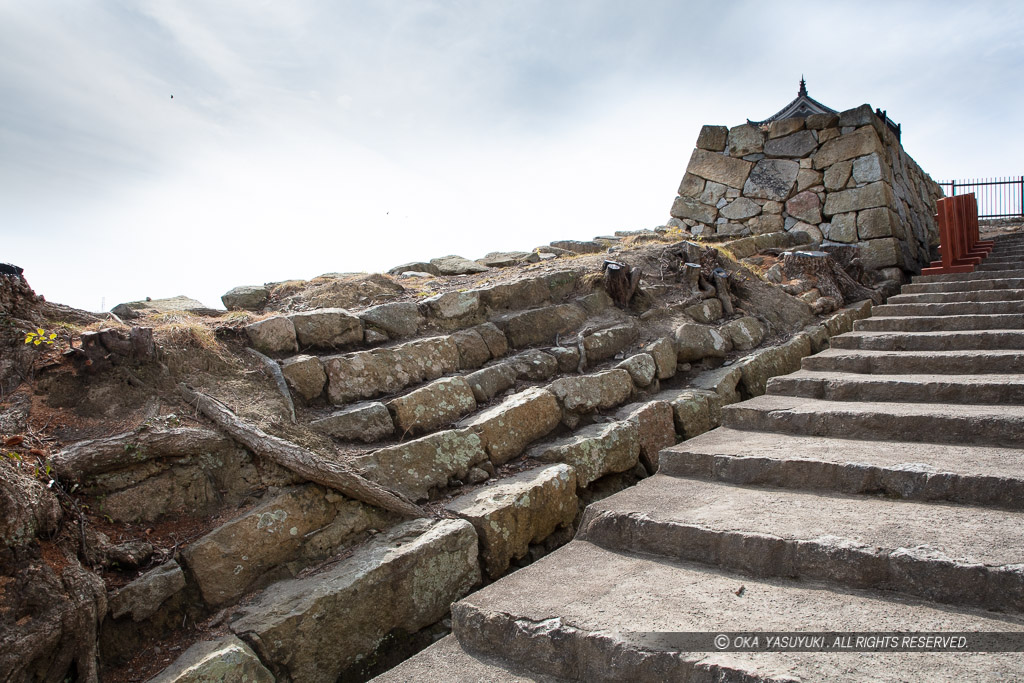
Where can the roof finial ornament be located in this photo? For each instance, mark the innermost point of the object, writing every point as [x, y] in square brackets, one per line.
[803, 87]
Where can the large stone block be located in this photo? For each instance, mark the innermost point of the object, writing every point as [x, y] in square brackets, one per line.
[519, 510]
[367, 422]
[366, 374]
[312, 629]
[141, 598]
[713, 138]
[246, 298]
[719, 168]
[273, 335]
[695, 341]
[655, 429]
[495, 339]
[663, 351]
[797, 145]
[822, 121]
[740, 209]
[641, 368]
[541, 325]
[745, 333]
[805, 206]
[397, 319]
[867, 197]
[305, 376]
[745, 139]
[608, 342]
[473, 351]
[807, 178]
[534, 364]
[694, 209]
[691, 186]
[437, 404]
[838, 175]
[843, 228]
[327, 328]
[879, 253]
[771, 179]
[850, 146]
[783, 359]
[587, 393]
[525, 293]
[491, 381]
[594, 451]
[713, 193]
[695, 411]
[877, 222]
[452, 305]
[234, 557]
[507, 428]
[784, 127]
[707, 311]
[456, 265]
[871, 168]
[226, 659]
[414, 468]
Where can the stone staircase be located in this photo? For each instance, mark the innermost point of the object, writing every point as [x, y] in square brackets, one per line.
[505, 409]
[879, 488]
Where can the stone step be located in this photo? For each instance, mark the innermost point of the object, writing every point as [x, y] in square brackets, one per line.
[971, 475]
[930, 341]
[976, 275]
[956, 308]
[911, 388]
[930, 550]
[447, 661]
[1003, 361]
[581, 614]
[963, 285]
[958, 297]
[1003, 257]
[952, 323]
[997, 267]
[981, 425]
[316, 627]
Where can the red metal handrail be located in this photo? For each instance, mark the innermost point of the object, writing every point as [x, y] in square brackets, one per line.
[959, 240]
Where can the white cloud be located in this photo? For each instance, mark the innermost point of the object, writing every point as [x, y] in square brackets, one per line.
[307, 137]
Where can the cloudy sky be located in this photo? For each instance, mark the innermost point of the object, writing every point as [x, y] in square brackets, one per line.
[314, 136]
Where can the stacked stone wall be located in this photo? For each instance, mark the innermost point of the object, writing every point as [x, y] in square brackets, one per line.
[844, 179]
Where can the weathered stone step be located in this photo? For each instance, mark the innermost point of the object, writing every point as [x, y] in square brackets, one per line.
[930, 341]
[976, 275]
[956, 308]
[1000, 321]
[1004, 361]
[971, 475]
[582, 623]
[1004, 257]
[913, 388]
[446, 661]
[958, 297]
[930, 550]
[963, 285]
[997, 267]
[314, 628]
[925, 422]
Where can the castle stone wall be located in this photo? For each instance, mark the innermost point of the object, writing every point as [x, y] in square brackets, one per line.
[844, 179]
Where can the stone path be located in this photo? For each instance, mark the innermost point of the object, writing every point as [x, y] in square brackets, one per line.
[880, 488]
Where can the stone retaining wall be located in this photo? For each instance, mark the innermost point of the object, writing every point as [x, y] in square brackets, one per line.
[843, 179]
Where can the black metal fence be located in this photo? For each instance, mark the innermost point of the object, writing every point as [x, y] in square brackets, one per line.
[997, 197]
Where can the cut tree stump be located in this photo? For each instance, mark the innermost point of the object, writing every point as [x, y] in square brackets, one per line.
[827, 275]
[621, 281]
[304, 462]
